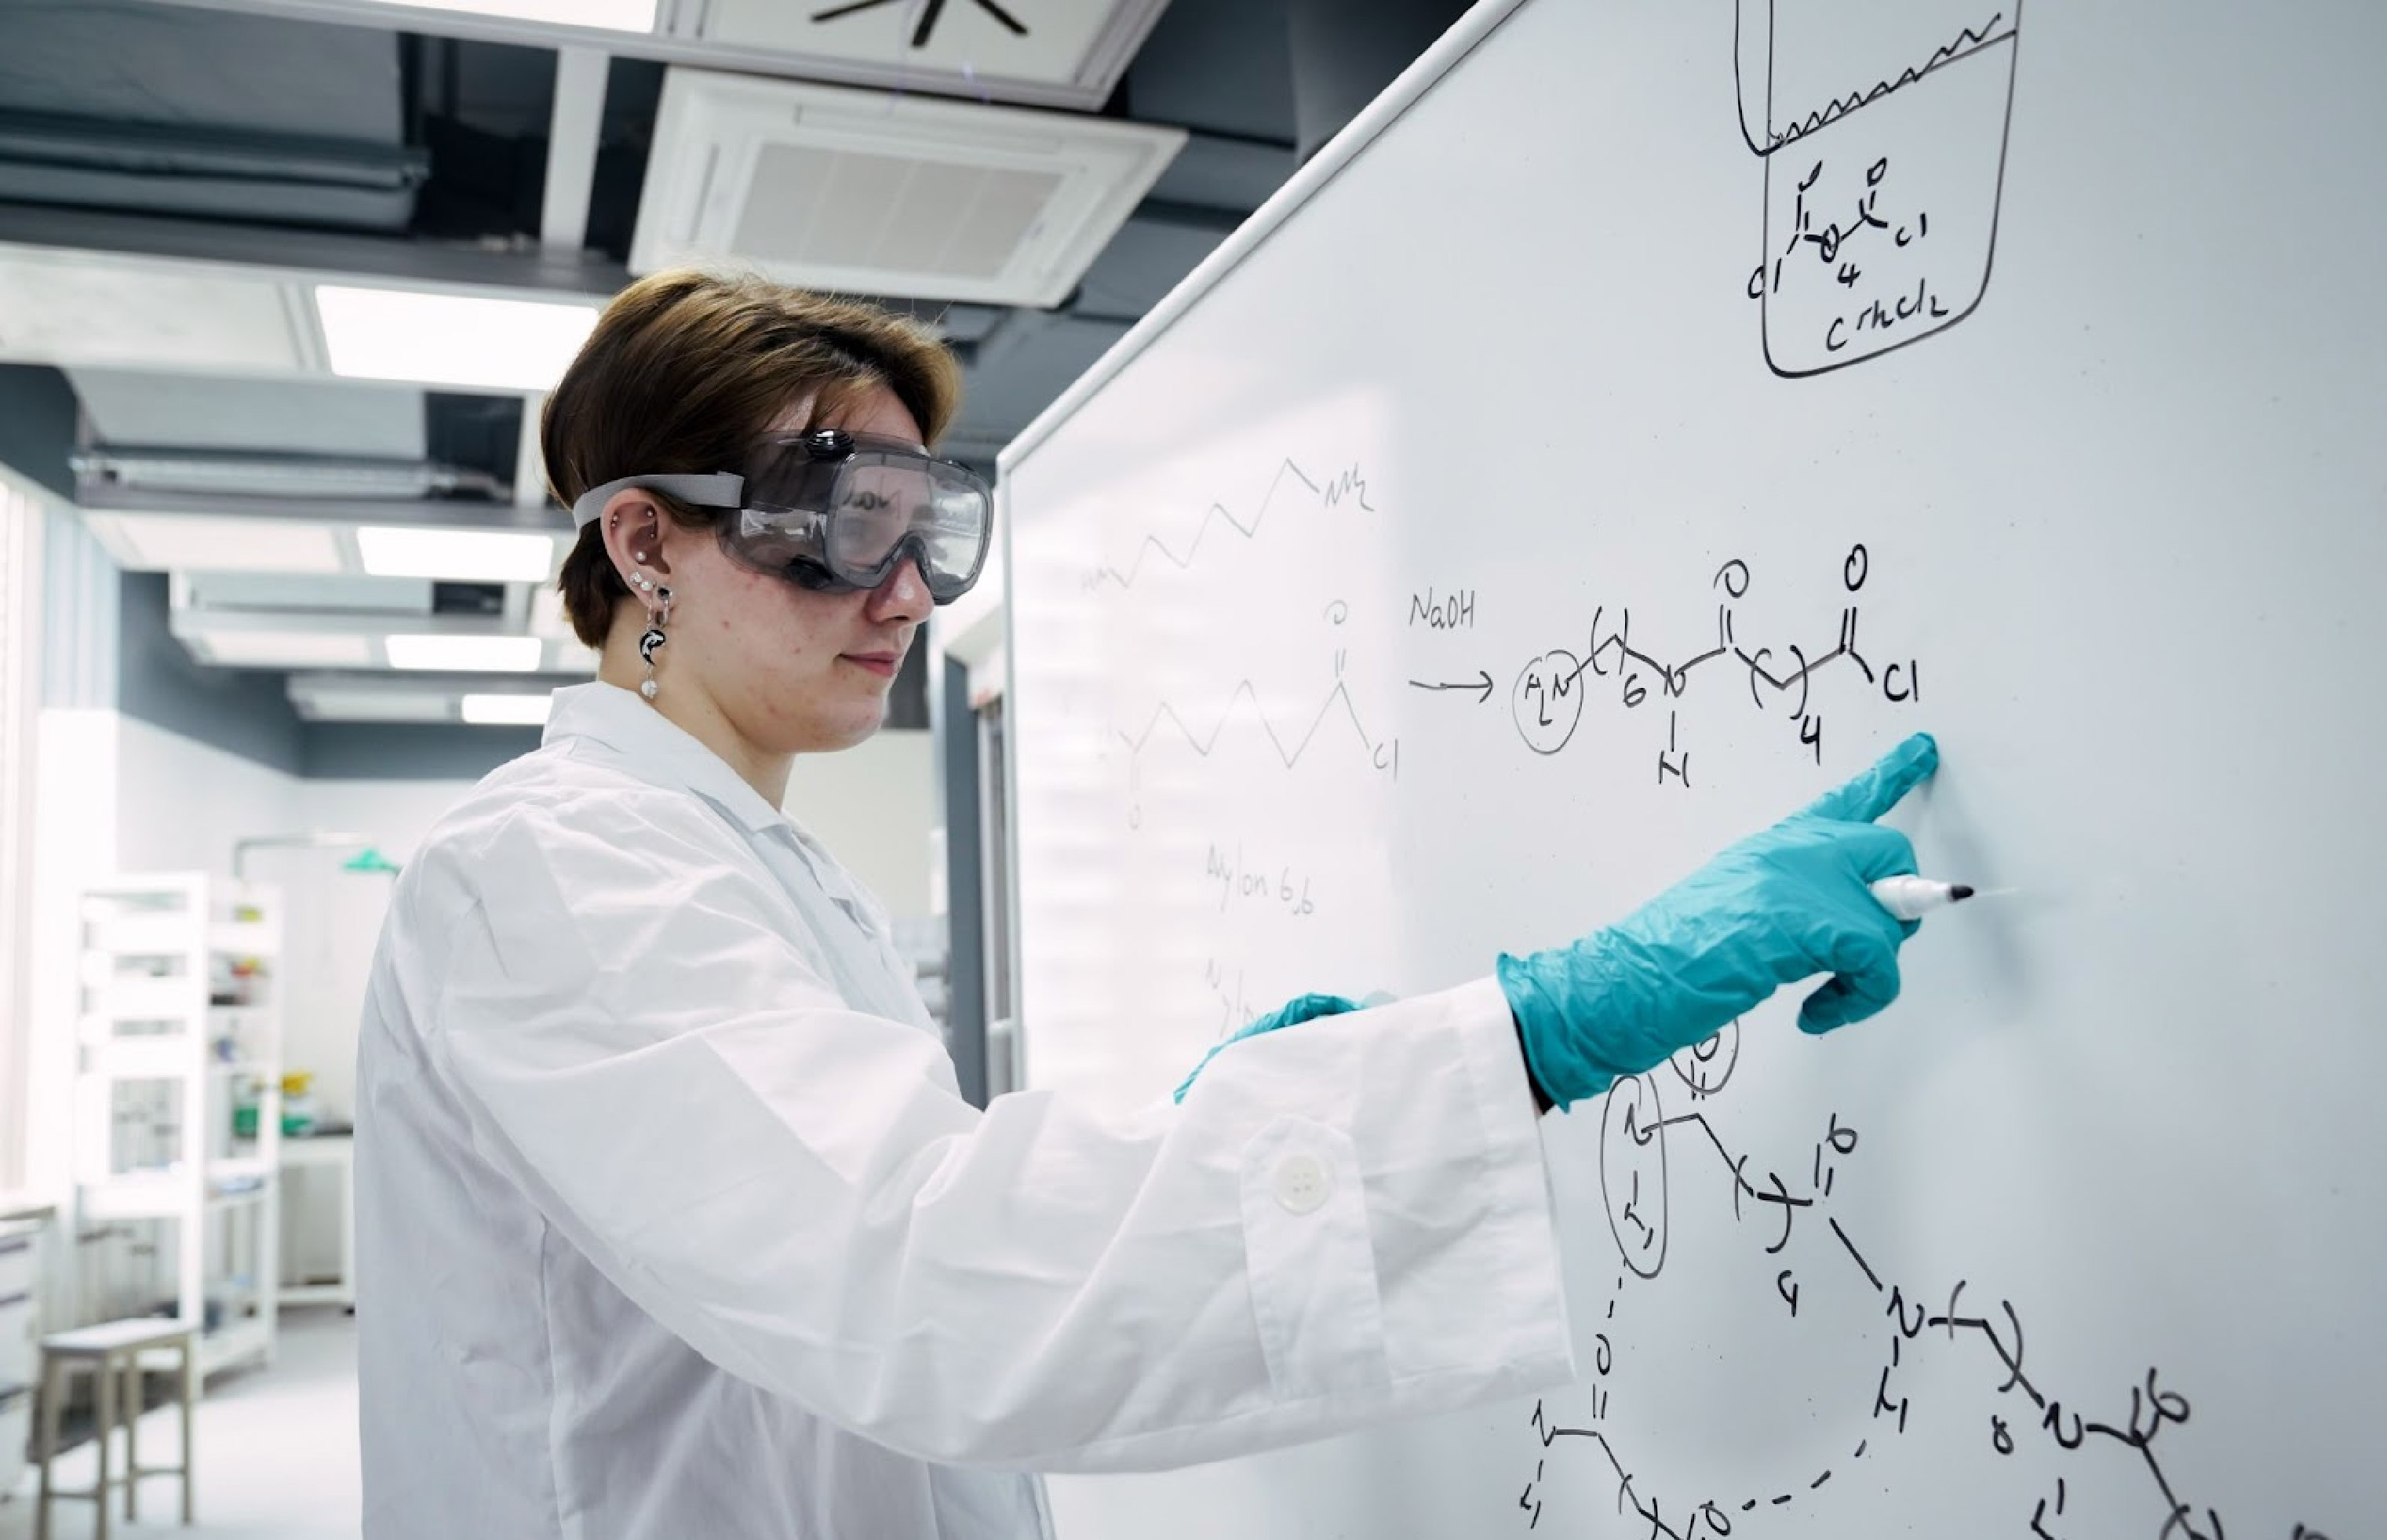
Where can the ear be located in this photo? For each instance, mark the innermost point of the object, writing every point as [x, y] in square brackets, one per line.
[640, 536]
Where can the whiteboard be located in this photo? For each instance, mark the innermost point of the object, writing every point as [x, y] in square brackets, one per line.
[1641, 419]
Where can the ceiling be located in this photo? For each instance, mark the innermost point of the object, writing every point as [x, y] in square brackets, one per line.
[205, 206]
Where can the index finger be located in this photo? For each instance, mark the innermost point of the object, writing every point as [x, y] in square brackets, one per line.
[1878, 790]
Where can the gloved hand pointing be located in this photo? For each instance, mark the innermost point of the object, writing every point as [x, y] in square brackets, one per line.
[1777, 907]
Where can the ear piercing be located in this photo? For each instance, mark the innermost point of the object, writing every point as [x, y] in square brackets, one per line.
[651, 640]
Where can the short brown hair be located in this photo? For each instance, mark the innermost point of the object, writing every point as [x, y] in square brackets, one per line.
[686, 368]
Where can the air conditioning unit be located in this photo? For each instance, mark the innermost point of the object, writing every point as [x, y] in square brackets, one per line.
[1053, 53]
[863, 192]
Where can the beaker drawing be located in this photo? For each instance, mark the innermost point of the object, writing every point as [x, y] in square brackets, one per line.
[1882, 126]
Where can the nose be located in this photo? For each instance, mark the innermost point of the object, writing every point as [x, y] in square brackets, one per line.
[904, 593]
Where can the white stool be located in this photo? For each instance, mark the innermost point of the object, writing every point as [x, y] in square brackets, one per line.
[113, 1353]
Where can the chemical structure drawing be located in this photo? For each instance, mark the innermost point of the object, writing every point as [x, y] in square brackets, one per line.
[1326, 495]
[1293, 741]
[2025, 1419]
[1881, 199]
[1383, 754]
[1546, 699]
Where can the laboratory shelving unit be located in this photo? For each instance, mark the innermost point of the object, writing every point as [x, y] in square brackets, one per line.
[179, 1013]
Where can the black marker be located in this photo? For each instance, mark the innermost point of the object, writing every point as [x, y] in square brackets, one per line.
[1910, 898]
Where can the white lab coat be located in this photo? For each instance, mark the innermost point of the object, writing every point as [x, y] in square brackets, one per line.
[672, 1223]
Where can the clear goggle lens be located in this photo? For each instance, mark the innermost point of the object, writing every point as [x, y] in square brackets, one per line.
[847, 520]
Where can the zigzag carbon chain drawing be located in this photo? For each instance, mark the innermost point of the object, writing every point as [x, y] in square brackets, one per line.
[2027, 1419]
[1382, 753]
[1350, 485]
[1546, 699]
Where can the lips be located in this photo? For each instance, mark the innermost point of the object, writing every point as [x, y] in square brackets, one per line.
[881, 664]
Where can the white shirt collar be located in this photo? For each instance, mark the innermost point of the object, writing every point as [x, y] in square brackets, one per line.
[657, 749]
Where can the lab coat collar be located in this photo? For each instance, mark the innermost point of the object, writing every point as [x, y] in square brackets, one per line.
[660, 750]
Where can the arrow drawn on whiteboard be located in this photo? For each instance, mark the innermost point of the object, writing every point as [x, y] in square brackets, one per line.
[1483, 681]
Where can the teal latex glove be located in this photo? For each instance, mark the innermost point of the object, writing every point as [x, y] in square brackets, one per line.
[1775, 908]
[1292, 1012]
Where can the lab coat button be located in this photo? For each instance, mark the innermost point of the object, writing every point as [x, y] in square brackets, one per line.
[1302, 1183]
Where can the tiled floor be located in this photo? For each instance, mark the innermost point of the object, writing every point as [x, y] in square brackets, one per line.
[277, 1451]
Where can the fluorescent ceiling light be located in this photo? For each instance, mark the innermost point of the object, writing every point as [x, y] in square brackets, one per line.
[467, 654]
[456, 555]
[510, 711]
[285, 649]
[614, 15]
[450, 338]
[188, 542]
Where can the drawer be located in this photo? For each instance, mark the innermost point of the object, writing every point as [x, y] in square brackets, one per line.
[18, 1353]
[15, 1428]
[17, 1268]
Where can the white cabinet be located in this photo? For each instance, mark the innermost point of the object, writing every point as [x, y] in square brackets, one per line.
[19, 1271]
[180, 1024]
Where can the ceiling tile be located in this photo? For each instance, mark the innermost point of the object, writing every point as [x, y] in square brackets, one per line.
[176, 411]
[75, 308]
[1050, 42]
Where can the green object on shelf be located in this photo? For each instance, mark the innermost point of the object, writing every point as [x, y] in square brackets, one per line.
[244, 1120]
[297, 1104]
[370, 860]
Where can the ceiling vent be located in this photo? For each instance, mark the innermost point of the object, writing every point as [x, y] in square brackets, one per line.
[235, 472]
[860, 193]
[1066, 53]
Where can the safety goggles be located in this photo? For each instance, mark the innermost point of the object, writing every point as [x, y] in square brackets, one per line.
[834, 512]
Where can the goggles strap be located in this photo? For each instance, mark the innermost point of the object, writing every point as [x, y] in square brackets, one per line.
[716, 490]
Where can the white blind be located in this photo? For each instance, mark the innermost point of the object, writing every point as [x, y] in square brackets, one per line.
[20, 689]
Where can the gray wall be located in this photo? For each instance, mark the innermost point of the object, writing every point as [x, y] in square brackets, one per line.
[243, 711]
[107, 643]
[388, 751]
[37, 424]
[248, 711]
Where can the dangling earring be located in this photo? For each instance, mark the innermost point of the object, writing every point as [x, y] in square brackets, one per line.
[652, 639]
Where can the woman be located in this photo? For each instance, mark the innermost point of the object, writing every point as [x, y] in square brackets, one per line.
[671, 1221]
